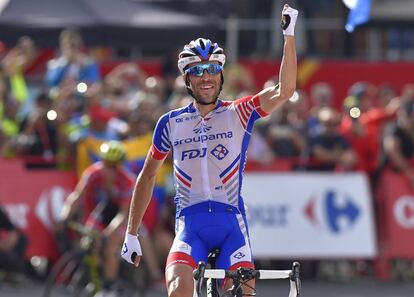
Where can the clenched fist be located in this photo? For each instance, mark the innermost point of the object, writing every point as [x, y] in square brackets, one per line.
[289, 16]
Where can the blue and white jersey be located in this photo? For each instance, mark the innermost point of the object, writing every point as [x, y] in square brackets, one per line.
[209, 153]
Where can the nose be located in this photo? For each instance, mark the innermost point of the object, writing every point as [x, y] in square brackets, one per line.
[205, 74]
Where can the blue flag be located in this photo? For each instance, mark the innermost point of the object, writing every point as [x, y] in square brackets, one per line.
[359, 13]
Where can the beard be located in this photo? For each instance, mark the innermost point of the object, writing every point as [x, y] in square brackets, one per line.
[206, 99]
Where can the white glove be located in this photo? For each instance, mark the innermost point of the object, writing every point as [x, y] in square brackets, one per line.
[289, 16]
[131, 248]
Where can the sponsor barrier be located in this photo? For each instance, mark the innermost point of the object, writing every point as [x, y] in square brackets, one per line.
[396, 215]
[33, 200]
[306, 215]
[310, 215]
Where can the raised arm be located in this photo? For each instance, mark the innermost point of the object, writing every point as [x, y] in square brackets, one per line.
[271, 98]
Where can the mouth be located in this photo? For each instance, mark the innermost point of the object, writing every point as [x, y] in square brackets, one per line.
[206, 87]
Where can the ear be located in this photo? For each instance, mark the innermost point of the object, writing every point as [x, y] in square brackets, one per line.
[187, 80]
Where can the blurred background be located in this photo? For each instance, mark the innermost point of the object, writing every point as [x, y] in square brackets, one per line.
[76, 74]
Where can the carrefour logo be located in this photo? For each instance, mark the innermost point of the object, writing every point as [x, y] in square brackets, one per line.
[333, 210]
[404, 212]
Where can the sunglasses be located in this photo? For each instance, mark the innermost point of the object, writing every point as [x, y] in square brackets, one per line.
[198, 70]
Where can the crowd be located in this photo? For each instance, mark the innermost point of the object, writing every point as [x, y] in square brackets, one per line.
[74, 109]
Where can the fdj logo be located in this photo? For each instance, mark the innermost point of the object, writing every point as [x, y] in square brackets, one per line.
[194, 153]
[219, 152]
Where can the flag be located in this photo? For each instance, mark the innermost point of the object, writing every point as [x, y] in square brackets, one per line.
[359, 13]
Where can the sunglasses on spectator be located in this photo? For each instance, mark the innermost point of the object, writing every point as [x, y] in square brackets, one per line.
[198, 70]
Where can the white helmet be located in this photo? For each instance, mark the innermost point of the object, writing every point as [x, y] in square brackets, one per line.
[200, 50]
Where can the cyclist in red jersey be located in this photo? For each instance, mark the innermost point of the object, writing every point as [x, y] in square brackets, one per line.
[103, 196]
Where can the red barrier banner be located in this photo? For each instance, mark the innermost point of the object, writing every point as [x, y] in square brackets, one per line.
[33, 200]
[396, 219]
[340, 74]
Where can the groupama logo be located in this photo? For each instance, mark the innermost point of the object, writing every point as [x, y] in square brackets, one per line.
[333, 210]
[202, 129]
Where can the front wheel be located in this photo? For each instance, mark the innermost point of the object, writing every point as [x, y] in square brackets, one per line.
[68, 277]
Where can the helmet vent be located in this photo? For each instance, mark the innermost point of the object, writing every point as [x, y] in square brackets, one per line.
[203, 46]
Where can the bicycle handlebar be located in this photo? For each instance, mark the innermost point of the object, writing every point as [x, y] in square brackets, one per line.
[245, 274]
[249, 274]
[82, 229]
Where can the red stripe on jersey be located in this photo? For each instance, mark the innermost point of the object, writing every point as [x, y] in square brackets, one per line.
[241, 118]
[250, 107]
[245, 114]
[260, 111]
[180, 258]
[231, 174]
[226, 103]
[156, 154]
[183, 180]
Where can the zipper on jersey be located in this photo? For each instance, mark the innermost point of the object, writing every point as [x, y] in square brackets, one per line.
[205, 180]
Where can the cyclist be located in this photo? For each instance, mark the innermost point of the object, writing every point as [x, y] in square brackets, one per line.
[208, 139]
[103, 194]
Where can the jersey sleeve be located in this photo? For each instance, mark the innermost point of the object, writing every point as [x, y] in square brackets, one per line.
[248, 109]
[161, 143]
[126, 187]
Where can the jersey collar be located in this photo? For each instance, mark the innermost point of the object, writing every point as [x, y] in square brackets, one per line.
[193, 109]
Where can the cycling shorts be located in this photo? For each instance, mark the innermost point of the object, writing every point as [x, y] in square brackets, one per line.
[206, 226]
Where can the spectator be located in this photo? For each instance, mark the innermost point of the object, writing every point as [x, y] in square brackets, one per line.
[15, 64]
[386, 92]
[329, 150]
[91, 136]
[284, 130]
[366, 93]
[362, 139]
[73, 65]
[322, 96]
[124, 81]
[9, 126]
[284, 139]
[363, 126]
[13, 245]
[39, 133]
[398, 143]
[407, 92]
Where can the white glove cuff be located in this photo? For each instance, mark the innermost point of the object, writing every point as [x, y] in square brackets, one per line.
[131, 248]
[288, 23]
